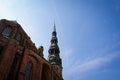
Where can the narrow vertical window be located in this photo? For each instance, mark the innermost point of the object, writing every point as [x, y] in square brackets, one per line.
[28, 71]
[7, 31]
[18, 37]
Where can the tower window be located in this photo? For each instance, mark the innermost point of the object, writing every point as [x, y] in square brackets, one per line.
[7, 31]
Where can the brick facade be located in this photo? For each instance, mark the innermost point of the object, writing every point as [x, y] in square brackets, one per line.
[19, 57]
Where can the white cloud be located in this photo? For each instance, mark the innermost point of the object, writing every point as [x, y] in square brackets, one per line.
[98, 59]
[94, 63]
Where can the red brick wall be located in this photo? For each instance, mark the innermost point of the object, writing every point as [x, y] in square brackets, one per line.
[7, 59]
[36, 65]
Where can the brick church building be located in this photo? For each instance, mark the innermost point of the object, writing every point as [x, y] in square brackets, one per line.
[21, 60]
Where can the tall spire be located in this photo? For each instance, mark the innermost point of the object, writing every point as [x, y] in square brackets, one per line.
[54, 49]
[54, 57]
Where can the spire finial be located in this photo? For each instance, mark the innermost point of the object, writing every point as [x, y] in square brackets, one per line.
[54, 27]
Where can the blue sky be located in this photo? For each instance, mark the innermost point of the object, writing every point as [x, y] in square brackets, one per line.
[88, 33]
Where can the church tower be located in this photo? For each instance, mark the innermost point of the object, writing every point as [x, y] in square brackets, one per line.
[54, 57]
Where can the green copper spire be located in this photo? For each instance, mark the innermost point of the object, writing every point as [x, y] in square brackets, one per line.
[54, 57]
[54, 51]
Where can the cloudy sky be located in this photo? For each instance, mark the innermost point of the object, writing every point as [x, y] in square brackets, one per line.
[88, 33]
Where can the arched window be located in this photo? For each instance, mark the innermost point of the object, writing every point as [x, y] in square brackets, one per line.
[28, 71]
[18, 37]
[7, 31]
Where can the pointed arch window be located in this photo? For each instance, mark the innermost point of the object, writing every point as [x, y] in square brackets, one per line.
[28, 71]
[7, 31]
[18, 37]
